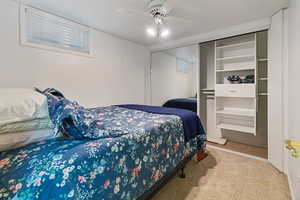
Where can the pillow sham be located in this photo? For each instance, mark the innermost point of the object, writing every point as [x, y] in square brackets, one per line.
[16, 140]
[29, 125]
[21, 104]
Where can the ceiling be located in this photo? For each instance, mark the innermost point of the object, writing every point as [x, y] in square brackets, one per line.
[200, 15]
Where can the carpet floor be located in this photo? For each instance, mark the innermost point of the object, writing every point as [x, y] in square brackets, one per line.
[227, 176]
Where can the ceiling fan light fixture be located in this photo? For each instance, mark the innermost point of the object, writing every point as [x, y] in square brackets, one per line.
[159, 13]
[158, 20]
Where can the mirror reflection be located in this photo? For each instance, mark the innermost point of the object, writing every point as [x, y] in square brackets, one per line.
[174, 78]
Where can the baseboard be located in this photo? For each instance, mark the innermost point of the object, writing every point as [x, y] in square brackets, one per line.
[237, 153]
[291, 186]
[221, 141]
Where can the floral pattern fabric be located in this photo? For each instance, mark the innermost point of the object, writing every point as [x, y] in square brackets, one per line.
[131, 150]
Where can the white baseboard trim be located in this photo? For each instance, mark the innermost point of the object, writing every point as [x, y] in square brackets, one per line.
[290, 186]
[221, 141]
[237, 153]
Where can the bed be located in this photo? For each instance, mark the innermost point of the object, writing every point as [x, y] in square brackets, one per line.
[129, 165]
[182, 103]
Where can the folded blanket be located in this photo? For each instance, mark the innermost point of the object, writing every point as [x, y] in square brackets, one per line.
[30, 125]
[191, 122]
[20, 139]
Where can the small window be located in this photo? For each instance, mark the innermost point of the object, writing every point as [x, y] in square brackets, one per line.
[183, 66]
[45, 30]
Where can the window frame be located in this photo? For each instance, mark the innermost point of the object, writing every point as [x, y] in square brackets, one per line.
[25, 42]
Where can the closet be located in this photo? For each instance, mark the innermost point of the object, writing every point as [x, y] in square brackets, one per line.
[233, 89]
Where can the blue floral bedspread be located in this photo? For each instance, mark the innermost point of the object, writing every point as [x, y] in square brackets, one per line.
[142, 149]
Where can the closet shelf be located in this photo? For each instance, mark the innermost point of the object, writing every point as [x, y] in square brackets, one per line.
[263, 79]
[235, 58]
[237, 112]
[262, 59]
[239, 128]
[263, 94]
[249, 43]
[237, 69]
[208, 93]
[207, 89]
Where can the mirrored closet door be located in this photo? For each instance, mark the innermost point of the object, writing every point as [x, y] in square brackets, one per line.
[174, 78]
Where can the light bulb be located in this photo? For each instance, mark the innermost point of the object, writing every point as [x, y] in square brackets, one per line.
[152, 32]
[165, 33]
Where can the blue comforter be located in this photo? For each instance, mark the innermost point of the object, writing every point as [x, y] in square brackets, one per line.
[122, 154]
[191, 122]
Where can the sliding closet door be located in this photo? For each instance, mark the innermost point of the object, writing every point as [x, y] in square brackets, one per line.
[275, 90]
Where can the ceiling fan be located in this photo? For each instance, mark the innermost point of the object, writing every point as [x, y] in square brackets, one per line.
[160, 11]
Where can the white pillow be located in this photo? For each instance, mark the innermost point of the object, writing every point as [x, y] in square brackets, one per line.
[14, 140]
[21, 104]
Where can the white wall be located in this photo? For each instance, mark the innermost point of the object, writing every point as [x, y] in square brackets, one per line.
[116, 74]
[275, 90]
[293, 82]
[167, 83]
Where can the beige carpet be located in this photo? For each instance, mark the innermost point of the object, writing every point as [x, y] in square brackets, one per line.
[226, 176]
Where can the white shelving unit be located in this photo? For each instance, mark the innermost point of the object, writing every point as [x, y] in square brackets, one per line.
[236, 112]
[235, 103]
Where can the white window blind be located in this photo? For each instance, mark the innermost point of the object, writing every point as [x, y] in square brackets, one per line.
[46, 29]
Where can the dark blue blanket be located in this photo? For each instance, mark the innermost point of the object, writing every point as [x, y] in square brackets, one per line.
[191, 122]
[184, 103]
